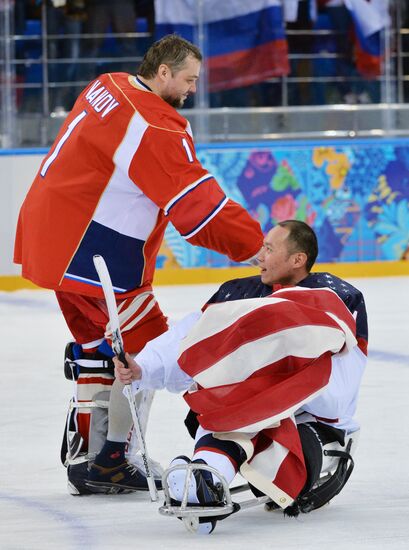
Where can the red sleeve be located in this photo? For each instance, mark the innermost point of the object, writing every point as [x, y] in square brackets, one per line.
[166, 169]
[232, 232]
[162, 168]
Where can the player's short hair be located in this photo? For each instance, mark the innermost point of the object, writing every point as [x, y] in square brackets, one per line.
[301, 238]
[172, 50]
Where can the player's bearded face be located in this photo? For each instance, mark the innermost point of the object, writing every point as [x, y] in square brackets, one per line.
[181, 84]
[176, 101]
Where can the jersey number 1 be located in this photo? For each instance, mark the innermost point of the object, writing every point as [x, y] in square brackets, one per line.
[61, 142]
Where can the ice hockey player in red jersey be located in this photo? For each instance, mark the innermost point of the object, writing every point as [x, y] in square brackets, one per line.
[122, 166]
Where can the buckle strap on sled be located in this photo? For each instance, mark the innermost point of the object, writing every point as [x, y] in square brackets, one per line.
[317, 497]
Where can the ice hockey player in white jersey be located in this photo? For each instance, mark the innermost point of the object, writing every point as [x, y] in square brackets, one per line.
[248, 396]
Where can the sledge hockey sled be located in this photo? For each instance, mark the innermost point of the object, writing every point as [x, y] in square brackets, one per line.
[323, 491]
[193, 515]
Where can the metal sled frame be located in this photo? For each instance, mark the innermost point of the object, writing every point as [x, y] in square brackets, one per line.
[191, 515]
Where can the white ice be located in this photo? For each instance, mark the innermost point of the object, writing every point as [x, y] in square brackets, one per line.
[36, 512]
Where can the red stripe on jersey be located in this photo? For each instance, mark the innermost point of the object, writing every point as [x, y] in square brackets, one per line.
[95, 380]
[124, 320]
[83, 422]
[329, 420]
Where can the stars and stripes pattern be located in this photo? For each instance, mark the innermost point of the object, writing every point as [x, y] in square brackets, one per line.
[255, 362]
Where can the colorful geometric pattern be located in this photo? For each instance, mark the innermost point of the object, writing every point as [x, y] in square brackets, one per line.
[354, 194]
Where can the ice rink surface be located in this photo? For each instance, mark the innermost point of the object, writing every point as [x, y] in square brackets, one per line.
[36, 512]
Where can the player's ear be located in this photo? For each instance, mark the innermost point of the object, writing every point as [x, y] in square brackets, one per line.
[300, 259]
[163, 71]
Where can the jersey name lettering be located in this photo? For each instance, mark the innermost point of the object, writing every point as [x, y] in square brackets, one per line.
[100, 98]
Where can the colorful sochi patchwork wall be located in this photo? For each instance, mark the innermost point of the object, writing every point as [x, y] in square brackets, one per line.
[355, 194]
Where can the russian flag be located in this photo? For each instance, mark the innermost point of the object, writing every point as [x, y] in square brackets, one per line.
[244, 42]
[370, 17]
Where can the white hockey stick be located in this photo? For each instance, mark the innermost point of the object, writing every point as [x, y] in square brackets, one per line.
[118, 348]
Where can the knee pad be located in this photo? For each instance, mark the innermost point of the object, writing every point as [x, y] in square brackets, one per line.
[75, 362]
[86, 425]
[92, 375]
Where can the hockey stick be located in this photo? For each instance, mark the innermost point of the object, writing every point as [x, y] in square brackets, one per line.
[118, 348]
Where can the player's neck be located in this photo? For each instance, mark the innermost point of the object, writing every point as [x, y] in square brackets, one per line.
[145, 83]
[299, 277]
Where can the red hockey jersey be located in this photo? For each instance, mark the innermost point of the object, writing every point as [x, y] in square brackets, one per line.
[122, 167]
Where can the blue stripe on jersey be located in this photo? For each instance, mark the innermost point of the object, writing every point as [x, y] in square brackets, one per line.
[209, 443]
[204, 220]
[205, 178]
[123, 256]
